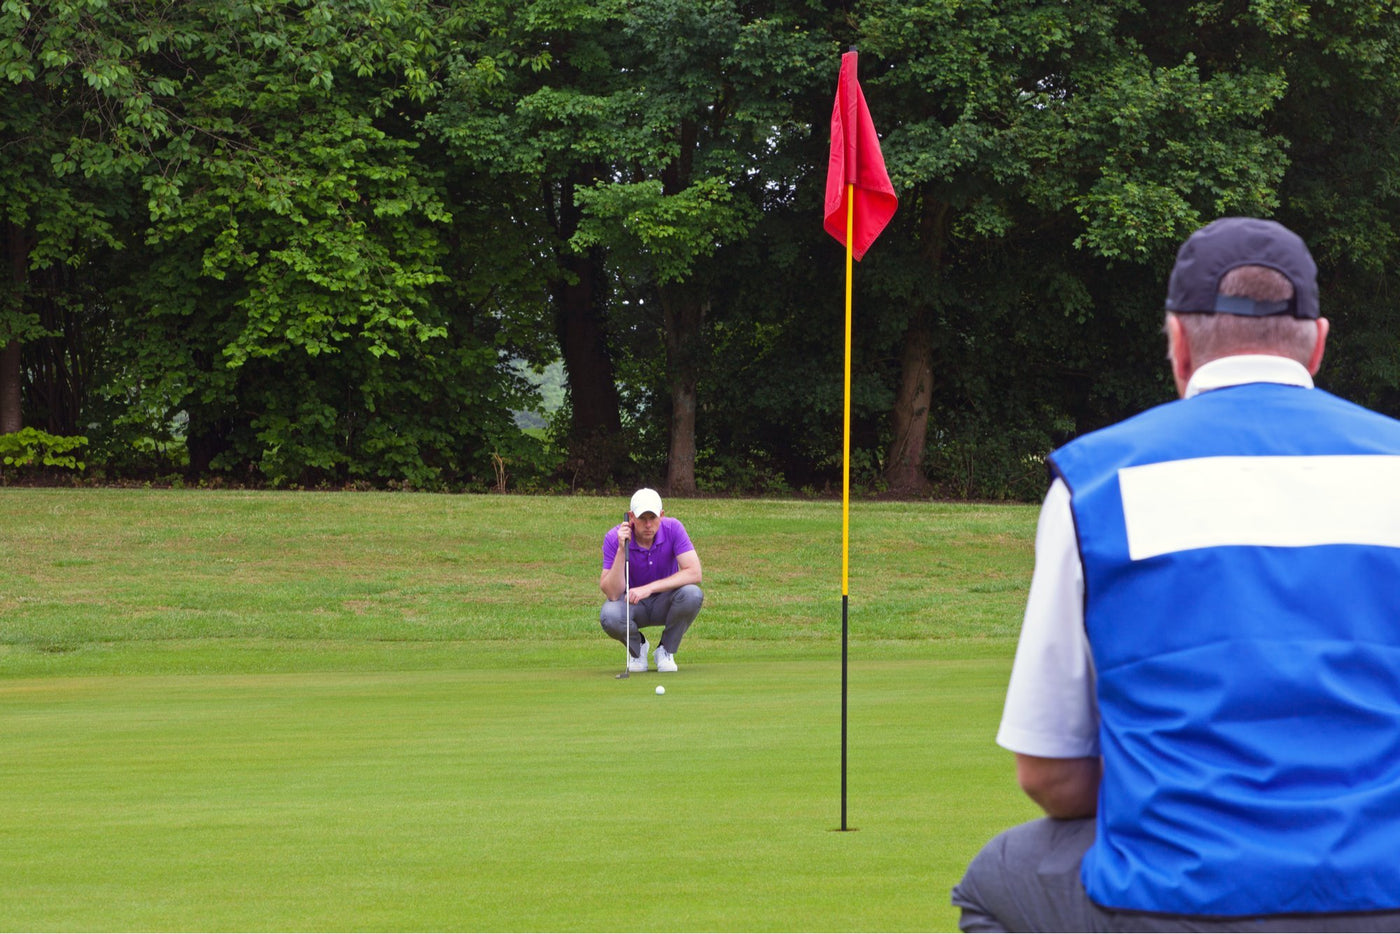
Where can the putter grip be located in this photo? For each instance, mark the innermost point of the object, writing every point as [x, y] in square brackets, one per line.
[627, 564]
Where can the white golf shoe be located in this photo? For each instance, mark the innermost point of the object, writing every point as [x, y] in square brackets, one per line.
[639, 663]
[665, 661]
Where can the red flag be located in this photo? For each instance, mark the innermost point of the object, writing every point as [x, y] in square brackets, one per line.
[856, 160]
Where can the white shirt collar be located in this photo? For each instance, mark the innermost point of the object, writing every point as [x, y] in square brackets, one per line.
[1248, 368]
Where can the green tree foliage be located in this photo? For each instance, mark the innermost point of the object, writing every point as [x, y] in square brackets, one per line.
[1341, 117]
[292, 304]
[77, 124]
[531, 115]
[712, 100]
[309, 241]
[1050, 159]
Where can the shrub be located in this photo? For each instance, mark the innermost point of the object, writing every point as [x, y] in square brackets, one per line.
[30, 449]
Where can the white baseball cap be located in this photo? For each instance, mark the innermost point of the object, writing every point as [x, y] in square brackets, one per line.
[646, 500]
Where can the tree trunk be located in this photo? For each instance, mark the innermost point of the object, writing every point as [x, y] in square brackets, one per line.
[10, 418]
[904, 467]
[684, 313]
[17, 252]
[596, 449]
[578, 296]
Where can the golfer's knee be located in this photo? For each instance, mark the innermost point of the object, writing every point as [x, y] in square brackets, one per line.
[689, 597]
[613, 617]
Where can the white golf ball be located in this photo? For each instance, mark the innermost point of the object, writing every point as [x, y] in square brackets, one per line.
[661, 689]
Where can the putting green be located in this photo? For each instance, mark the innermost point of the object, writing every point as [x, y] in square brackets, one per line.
[485, 796]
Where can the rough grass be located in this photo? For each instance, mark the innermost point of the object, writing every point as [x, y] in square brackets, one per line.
[264, 711]
[89, 567]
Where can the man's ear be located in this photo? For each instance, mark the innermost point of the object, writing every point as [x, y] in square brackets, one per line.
[1315, 361]
[1179, 353]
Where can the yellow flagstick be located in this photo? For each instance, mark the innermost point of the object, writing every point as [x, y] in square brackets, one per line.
[846, 408]
[846, 488]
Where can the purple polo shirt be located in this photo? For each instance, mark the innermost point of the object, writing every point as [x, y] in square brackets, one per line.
[656, 562]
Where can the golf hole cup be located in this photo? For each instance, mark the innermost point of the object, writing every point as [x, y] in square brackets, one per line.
[661, 689]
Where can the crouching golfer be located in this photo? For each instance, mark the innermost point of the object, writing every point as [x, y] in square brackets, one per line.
[665, 580]
[1204, 699]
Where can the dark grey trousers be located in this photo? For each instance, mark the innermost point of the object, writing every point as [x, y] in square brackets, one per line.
[673, 609]
[1027, 879]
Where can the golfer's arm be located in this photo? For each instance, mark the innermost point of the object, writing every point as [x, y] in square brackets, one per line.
[688, 572]
[613, 581]
[1064, 788]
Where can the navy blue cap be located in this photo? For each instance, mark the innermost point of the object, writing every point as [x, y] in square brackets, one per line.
[1222, 245]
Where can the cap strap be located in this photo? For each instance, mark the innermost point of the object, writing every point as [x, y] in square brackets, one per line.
[1239, 305]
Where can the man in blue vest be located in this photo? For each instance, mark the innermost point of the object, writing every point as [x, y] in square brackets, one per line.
[1205, 699]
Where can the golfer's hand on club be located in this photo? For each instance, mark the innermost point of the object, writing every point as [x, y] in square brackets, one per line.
[624, 534]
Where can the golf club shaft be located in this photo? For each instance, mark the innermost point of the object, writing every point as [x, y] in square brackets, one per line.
[627, 599]
[626, 595]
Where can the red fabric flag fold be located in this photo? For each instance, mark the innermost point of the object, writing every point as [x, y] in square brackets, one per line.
[856, 160]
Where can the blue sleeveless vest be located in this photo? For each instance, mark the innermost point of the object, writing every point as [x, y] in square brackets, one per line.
[1249, 691]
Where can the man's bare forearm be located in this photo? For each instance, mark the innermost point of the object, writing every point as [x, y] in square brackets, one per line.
[1064, 788]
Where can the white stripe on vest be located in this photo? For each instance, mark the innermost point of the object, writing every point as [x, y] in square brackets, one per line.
[1284, 502]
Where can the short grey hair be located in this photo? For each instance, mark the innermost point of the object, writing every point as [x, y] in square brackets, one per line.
[1221, 335]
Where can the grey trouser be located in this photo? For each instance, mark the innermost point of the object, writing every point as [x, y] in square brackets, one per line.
[673, 609]
[1027, 879]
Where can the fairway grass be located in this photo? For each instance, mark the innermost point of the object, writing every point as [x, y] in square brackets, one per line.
[443, 746]
[500, 799]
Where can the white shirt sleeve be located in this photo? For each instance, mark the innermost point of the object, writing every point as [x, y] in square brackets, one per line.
[1051, 710]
